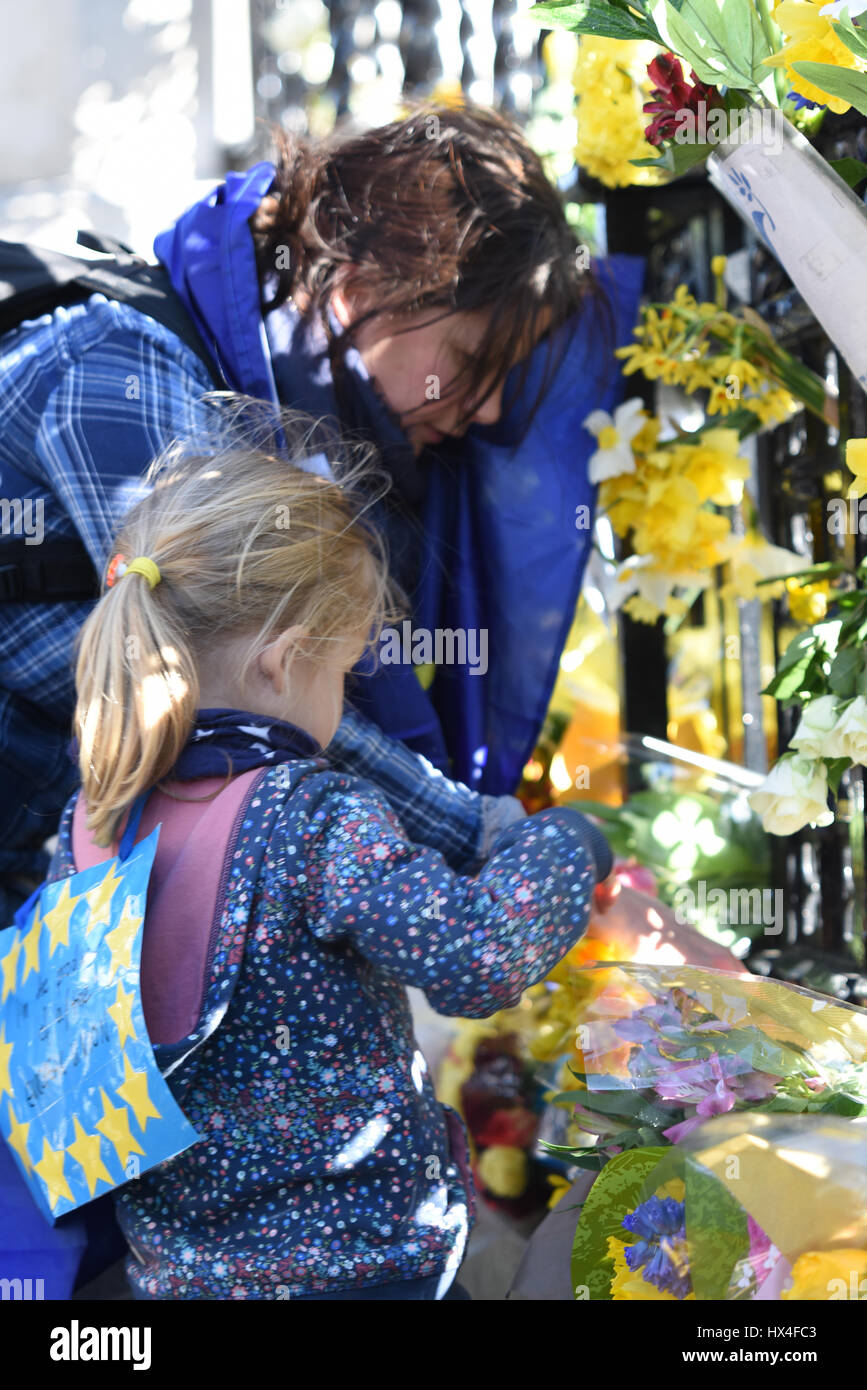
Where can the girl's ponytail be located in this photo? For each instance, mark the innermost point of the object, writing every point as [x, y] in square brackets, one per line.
[246, 544]
[137, 698]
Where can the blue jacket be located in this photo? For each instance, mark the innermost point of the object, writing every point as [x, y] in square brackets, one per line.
[501, 550]
[326, 1163]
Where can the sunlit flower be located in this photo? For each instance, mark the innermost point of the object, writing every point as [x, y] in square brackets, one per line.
[751, 558]
[856, 462]
[828, 1275]
[811, 38]
[614, 436]
[611, 81]
[794, 794]
[808, 603]
[820, 716]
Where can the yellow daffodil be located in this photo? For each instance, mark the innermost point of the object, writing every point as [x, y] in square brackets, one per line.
[829, 1275]
[811, 38]
[808, 603]
[772, 406]
[856, 462]
[715, 467]
[611, 81]
[745, 373]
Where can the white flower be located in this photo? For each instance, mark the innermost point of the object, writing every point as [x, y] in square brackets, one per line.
[635, 576]
[849, 738]
[614, 455]
[812, 736]
[794, 794]
[752, 558]
[836, 9]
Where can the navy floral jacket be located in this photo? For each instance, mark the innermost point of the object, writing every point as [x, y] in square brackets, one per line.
[327, 1163]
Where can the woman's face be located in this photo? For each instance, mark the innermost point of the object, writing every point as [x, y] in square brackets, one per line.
[413, 370]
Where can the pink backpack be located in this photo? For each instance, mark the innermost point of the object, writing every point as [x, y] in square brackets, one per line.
[186, 891]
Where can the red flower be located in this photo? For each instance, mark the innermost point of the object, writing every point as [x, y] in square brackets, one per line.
[673, 97]
[516, 1128]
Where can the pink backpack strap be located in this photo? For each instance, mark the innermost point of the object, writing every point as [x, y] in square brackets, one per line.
[186, 891]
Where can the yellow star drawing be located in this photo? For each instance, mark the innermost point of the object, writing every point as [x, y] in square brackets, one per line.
[86, 1152]
[9, 965]
[56, 919]
[115, 1126]
[135, 1092]
[120, 941]
[31, 946]
[5, 1054]
[50, 1170]
[99, 899]
[17, 1138]
[121, 1012]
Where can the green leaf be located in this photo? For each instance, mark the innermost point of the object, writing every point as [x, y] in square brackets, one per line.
[836, 82]
[800, 646]
[614, 1193]
[628, 1105]
[835, 768]
[841, 1104]
[852, 171]
[854, 39]
[722, 40]
[677, 159]
[716, 1232]
[845, 670]
[786, 684]
[594, 17]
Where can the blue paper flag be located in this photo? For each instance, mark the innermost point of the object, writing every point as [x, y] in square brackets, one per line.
[83, 1105]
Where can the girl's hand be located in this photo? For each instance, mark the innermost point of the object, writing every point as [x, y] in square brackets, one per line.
[649, 931]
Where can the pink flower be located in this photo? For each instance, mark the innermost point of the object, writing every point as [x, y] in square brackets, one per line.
[713, 1085]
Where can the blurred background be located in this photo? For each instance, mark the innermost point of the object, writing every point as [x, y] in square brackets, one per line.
[119, 113]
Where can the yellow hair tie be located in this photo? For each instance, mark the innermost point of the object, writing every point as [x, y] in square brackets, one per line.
[149, 568]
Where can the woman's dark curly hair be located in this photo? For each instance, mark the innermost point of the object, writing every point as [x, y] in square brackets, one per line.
[449, 206]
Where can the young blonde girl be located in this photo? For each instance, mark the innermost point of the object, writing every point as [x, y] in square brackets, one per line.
[244, 588]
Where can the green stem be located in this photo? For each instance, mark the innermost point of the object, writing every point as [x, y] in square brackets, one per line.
[772, 34]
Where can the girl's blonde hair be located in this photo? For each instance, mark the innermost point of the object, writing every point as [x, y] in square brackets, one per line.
[246, 542]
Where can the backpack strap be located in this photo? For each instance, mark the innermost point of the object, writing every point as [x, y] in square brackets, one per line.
[186, 891]
[35, 281]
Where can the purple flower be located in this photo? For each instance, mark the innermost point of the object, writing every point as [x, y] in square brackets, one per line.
[645, 1024]
[803, 103]
[713, 1086]
[660, 1252]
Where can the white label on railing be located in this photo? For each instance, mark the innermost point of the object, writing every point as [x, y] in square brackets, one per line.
[814, 225]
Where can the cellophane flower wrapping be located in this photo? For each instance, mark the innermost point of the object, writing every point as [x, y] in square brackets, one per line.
[664, 1048]
[752, 1205]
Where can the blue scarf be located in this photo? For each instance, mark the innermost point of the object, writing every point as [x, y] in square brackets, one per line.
[231, 739]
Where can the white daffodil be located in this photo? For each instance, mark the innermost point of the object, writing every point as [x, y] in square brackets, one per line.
[614, 436]
[635, 576]
[835, 10]
[752, 558]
